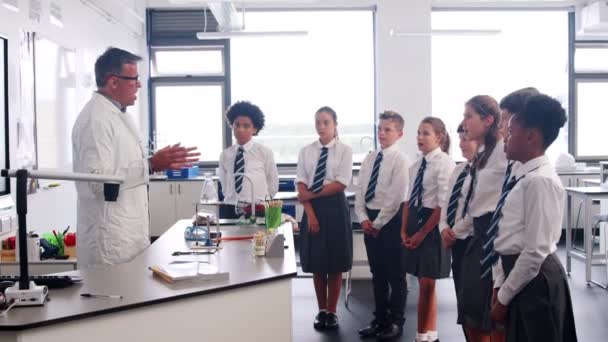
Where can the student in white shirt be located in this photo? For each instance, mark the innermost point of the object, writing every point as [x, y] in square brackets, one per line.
[383, 183]
[326, 245]
[534, 297]
[246, 156]
[425, 257]
[481, 123]
[456, 228]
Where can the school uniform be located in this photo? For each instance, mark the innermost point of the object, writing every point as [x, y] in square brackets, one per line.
[531, 278]
[383, 185]
[331, 250]
[428, 188]
[480, 204]
[253, 159]
[462, 225]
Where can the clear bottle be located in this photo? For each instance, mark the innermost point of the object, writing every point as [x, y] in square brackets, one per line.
[209, 191]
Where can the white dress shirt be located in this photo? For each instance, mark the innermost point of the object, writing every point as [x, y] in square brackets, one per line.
[259, 166]
[439, 167]
[391, 188]
[463, 227]
[488, 182]
[531, 225]
[339, 163]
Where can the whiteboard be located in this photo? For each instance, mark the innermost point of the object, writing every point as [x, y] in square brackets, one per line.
[56, 103]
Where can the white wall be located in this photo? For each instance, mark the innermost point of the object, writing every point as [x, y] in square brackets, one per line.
[89, 34]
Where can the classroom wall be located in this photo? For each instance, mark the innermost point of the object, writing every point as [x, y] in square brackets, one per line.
[89, 34]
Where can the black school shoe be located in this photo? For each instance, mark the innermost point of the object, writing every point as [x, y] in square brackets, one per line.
[331, 322]
[371, 330]
[390, 332]
[320, 320]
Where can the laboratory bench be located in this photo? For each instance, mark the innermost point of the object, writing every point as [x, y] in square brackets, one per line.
[252, 304]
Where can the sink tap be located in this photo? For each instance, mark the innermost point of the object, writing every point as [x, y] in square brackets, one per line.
[245, 176]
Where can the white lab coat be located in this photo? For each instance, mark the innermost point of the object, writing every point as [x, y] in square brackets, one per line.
[106, 141]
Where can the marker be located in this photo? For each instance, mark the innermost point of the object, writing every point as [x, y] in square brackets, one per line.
[90, 295]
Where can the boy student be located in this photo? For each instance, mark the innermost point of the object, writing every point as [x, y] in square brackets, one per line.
[534, 298]
[383, 181]
[246, 157]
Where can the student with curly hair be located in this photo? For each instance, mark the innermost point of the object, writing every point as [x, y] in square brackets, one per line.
[246, 157]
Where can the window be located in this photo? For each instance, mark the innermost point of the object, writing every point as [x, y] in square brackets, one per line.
[524, 53]
[189, 95]
[289, 78]
[188, 61]
[191, 115]
[591, 58]
[591, 118]
[4, 183]
[591, 86]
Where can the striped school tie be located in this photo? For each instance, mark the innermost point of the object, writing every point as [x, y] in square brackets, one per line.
[456, 192]
[239, 166]
[317, 183]
[488, 254]
[507, 176]
[373, 180]
[416, 196]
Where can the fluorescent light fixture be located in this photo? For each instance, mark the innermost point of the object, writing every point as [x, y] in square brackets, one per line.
[454, 32]
[12, 5]
[238, 34]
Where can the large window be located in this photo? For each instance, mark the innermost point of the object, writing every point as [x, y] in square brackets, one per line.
[529, 48]
[291, 77]
[591, 87]
[189, 96]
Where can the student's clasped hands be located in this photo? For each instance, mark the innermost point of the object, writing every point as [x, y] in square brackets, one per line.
[369, 229]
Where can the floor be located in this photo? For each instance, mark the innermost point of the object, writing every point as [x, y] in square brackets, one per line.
[590, 309]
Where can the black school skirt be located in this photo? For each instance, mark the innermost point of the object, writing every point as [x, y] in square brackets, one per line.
[476, 293]
[430, 259]
[331, 250]
[542, 310]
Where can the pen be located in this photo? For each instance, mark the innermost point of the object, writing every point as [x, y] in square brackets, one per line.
[90, 295]
[65, 231]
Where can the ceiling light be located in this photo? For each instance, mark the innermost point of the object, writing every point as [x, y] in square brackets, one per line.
[455, 32]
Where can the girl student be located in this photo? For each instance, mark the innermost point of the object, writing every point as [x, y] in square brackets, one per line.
[481, 123]
[424, 256]
[456, 228]
[246, 156]
[534, 297]
[326, 247]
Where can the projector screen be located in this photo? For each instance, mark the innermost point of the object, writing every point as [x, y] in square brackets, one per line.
[4, 182]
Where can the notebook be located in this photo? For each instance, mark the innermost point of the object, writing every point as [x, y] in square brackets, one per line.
[176, 271]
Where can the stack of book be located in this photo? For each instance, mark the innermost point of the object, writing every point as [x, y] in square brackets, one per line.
[176, 271]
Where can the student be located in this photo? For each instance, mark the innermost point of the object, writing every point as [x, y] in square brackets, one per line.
[513, 104]
[326, 245]
[456, 228]
[534, 297]
[425, 257]
[481, 124]
[246, 156]
[383, 183]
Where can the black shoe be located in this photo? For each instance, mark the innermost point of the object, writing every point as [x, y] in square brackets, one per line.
[320, 320]
[390, 332]
[371, 330]
[331, 322]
